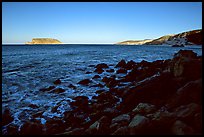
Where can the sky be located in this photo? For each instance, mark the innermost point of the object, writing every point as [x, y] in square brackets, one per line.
[97, 22]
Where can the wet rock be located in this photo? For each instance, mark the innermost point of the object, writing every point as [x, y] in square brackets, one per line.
[99, 127]
[144, 108]
[100, 91]
[38, 114]
[102, 65]
[11, 130]
[34, 106]
[110, 112]
[190, 92]
[121, 118]
[54, 126]
[96, 77]
[186, 64]
[31, 128]
[121, 131]
[91, 65]
[58, 81]
[187, 111]
[6, 117]
[130, 65]
[47, 89]
[122, 64]
[81, 103]
[98, 85]
[88, 72]
[76, 131]
[180, 128]
[72, 86]
[58, 90]
[99, 70]
[110, 70]
[121, 71]
[138, 124]
[84, 82]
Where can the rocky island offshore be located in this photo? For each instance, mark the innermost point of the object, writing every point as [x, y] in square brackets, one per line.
[44, 41]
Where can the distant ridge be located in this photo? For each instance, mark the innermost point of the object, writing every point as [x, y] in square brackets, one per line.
[44, 41]
[193, 37]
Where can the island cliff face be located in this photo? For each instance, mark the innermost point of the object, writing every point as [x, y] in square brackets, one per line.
[193, 37]
[44, 41]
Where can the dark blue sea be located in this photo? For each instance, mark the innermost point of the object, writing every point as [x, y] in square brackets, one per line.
[26, 69]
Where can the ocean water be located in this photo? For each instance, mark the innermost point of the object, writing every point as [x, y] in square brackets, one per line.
[26, 69]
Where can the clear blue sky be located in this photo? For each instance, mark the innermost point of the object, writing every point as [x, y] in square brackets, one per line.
[97, 22]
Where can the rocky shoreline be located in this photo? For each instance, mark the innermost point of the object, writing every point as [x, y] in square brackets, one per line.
[152, 98]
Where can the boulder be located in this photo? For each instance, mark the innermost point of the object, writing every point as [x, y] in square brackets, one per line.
[31, 128]
[102, 65]
[72, 86]
[144, 108]
[96, 77]
[58, 90]
[6, 117]
[121, 71]
[99, 70]
[84, 82]
[138, 124]
[75, 131]
[110, 70]
[47, 89]
[121, 131]
[180, 128]
[121, 118]
[130, 65]
[58, 81]
[122, 64]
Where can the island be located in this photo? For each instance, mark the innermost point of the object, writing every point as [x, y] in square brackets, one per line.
[44, 41]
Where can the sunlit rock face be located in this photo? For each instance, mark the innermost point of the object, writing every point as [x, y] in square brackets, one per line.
[193, 37]
[44, 41]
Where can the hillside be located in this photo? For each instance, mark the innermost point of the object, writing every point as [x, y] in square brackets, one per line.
[193, 37]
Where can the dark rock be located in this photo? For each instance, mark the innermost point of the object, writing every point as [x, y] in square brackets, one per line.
[102, 65]
[99, 70]
[121, 118]
[6, 117]
[190, 92]
[47, 89]
[38, 114]
[121, 71]
[138, 125]
[100, 91]
[11, 130]
[186, 64]
[81, 102]
[58, 81]
[84, 82]
[96, 76]
[122, 64]
[98, 85]
[88, 72]
[130, 65]
[58, 90]
[180, 128]
[144, 108]
[76, 131]
[110, 70]
[72, 86]
[187, 111]
[100, 127]
[54, 126]
[33, 106]
[91, 65]
[121, 131]
[31, 128]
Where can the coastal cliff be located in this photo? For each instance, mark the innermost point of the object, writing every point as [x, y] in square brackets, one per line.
[44, 41]
[193, 37]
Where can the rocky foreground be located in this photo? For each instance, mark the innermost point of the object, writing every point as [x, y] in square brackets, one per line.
[158, 98]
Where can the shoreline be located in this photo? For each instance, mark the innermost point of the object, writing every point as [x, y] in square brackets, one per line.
[148, 97]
